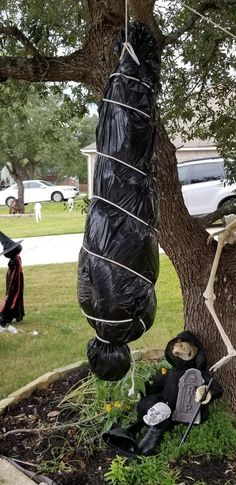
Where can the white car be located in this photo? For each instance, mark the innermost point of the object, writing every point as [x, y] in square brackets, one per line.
[204, 185]
[38, 191]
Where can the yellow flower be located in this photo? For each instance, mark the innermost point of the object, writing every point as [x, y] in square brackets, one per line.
[108, 408]
[163, 370]
[117, 404]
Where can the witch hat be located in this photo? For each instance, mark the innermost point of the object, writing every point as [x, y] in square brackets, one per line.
[8, 244]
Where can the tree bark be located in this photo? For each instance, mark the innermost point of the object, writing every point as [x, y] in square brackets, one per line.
[185, 242]
[20, 188]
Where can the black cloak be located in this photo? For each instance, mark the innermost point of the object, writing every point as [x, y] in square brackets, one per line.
[13, 304]
[164, 387]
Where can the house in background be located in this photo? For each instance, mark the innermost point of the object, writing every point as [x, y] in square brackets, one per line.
[189, 150]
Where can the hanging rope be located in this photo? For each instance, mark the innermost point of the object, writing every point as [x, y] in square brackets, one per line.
[126, 45]
[208, 20]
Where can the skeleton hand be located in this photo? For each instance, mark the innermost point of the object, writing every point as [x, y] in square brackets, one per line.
[199, 394]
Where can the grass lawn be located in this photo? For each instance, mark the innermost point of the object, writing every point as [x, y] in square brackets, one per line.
[56, 219]
[51, 308]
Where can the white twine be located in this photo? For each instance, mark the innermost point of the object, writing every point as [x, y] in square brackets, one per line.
[132, 78]
[123, 163]
[124, 210]
[106, 321]
[208, 20]
[118, 264]
[127, 106]
[132, 388]
[126, 45]
[102, 340]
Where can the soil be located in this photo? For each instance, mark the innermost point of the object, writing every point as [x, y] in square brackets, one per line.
[41, 409]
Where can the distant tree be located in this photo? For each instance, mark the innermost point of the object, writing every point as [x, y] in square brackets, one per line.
[39, 135]
[66, 158]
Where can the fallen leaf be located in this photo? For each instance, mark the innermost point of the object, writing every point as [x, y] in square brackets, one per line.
[53, 414]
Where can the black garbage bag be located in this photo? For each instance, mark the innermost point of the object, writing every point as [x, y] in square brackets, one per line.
[118, 264]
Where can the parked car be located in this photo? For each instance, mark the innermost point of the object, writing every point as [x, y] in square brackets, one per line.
[38, 191]
[204, 185]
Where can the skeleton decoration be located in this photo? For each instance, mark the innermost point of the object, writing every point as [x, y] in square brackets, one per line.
[225, 236]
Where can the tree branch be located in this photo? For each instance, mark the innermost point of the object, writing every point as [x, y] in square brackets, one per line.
[193, 18]
[229, 207]
[13, 31]
[90, 65]
[143, 10]
[46, 68]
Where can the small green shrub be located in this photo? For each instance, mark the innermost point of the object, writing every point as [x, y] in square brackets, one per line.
[104, 404]
[148, 471]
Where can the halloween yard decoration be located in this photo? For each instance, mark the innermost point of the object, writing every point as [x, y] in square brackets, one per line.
[227, 235]
[12, 307]
[118, 264]
[172, 396]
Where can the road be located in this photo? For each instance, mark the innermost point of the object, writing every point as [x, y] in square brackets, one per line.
[52, 249]
[48, 250]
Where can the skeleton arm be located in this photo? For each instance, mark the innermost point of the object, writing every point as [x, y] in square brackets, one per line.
[227, 235]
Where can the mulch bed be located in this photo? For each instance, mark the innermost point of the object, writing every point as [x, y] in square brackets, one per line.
[75, 467]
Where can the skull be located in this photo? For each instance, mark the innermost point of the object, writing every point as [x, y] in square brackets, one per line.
[157, 413]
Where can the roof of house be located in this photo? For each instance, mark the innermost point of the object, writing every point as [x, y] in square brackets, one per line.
[177, 141]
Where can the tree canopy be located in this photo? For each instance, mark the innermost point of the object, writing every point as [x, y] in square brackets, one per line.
[43, 41]
[38, 135]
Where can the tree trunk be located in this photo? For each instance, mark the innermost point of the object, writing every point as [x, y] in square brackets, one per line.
[20, 187]
[185, 242]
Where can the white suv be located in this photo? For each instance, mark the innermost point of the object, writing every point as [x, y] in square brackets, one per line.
[204, 185]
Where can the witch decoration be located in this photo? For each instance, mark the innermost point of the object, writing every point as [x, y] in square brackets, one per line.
[118, 264]
[12, 308]
[180, 394]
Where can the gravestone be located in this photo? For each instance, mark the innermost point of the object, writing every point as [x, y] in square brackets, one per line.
[186, 405]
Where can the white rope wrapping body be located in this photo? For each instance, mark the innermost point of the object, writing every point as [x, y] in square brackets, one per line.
[124, 210]
[123, 163]
[118, 264]
[132, 78]
[126, 106]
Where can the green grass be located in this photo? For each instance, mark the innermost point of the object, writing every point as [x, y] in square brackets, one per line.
[56, 219]
[51, 308]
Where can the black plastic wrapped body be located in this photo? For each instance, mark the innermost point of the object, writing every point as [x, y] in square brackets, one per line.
[118, 264]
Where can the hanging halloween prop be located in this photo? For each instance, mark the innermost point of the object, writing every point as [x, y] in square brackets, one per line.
[118, 264]
[225, 236]
[13, 304]
[173, 396]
